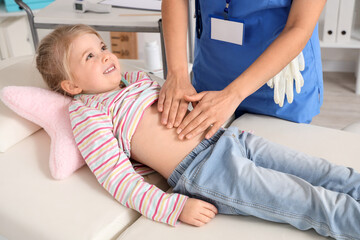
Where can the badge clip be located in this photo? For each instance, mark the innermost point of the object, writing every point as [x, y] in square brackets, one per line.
[226, 10]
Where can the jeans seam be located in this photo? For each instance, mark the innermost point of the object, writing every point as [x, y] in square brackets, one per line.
[269, 209]
[198, 168]
[241, 147]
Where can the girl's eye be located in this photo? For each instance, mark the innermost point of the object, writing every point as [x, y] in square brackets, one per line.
[89, 56]
[104, 47]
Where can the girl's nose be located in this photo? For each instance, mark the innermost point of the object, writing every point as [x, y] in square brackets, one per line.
[105, 57]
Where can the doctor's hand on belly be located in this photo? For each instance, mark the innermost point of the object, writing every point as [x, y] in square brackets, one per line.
[212, 109]
[171, 101]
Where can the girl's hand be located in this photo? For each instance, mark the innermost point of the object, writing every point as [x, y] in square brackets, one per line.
[212, 109]
[197, 212]
[171, 100]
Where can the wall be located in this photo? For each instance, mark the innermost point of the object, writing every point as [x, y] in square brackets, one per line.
[333, 59]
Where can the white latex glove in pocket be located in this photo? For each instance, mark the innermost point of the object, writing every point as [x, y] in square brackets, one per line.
[283, 82]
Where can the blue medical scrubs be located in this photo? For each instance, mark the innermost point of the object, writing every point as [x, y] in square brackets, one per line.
[218, 63]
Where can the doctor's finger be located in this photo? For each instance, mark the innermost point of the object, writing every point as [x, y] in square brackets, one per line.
[197, 128]
[166, 111]
[172, 113]
[193, 114]
[161, 100]
[183, 107]
[213, 130]
[190, 122]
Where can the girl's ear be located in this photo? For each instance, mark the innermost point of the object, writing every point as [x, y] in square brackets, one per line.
[69, 87]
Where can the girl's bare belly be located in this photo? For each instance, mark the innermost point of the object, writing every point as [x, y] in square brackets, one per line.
[157, 146]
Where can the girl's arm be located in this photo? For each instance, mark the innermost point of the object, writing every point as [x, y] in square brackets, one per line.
[214, 108]
[93, 134]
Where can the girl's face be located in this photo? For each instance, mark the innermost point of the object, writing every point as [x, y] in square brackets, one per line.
[94, 68]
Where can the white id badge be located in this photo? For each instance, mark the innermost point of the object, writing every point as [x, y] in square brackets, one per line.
[227, 30]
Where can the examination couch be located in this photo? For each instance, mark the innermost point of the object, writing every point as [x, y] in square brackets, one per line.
[35, 206]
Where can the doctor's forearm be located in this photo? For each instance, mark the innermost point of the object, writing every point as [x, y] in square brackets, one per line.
[272, 61]
[174, 16]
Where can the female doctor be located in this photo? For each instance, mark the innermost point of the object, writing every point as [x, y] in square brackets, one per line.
[240, 45]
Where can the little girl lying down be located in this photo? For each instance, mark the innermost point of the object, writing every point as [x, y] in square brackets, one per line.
[117, 128]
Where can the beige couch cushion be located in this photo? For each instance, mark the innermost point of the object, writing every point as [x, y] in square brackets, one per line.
[354, 127]
[337, 146]
[33, 206]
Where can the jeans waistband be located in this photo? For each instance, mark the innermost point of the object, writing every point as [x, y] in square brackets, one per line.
[183, 165]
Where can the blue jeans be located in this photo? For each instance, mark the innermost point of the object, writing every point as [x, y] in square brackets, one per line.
[244, 174]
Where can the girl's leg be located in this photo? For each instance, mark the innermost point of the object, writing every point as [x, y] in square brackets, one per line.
[223, 176]
[314, 170]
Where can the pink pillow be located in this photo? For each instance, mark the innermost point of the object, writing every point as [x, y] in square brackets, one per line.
[50, 111]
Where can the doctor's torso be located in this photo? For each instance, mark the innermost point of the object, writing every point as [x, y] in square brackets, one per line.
[218, 63]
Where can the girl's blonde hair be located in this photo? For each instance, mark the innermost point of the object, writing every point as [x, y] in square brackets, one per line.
[53, 53]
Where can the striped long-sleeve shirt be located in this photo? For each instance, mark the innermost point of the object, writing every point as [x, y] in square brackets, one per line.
[103, 125]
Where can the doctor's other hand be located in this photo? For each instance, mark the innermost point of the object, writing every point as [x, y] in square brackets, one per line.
[212, 110]
[171, 101]
[283, 82]
[197, 212]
